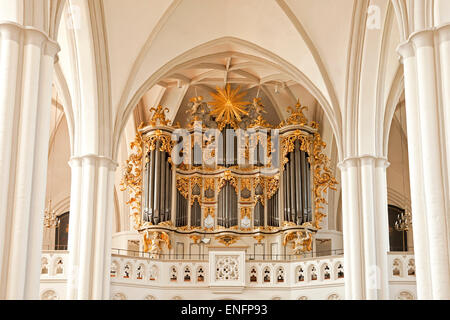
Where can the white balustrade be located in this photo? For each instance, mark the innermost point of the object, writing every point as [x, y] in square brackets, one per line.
[310, 278]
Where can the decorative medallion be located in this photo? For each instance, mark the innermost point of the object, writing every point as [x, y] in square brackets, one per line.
[228, 106]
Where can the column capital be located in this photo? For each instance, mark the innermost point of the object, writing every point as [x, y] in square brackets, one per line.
[443, 32]
[423, 38]
[365, 159]
[101, 160]
[14, 31]
[406, 50]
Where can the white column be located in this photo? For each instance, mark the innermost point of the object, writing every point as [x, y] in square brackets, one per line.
[74, 229]
[346, 229]
[90, 227]
[419, 219]
[365, 222]
[26, 68]
[433, 168]
[444, 52]
[427, 75]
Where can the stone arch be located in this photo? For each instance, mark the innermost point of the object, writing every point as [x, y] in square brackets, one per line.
[253, 274]
[325, 271]
[140, 271]
[58, 266]
[332, 112]
[267, 275]
[280, 275]
[187, 273]
[119, 296]
[173, 276]
[44, 265]
[201, 273]
[49, 294]
[338, 270]
[127, 270]
[115, 269]
[153, 273]
[300, 273]
[313, 272]
[397, 268]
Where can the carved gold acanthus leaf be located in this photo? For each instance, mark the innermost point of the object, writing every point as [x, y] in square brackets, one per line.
[296, 116]
[323, 179]
[158, 117]
[227, 176]
[227, 240]
[132, 179]
[183, 186]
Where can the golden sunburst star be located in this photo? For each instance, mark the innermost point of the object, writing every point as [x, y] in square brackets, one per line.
[228, 106]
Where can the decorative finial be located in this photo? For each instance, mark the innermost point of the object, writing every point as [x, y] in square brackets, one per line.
[159, 117]
[297, 116]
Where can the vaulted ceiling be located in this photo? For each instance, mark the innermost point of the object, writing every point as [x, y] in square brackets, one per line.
[254, 75]
[126, 57]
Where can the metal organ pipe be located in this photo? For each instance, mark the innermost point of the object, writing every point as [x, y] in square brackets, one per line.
[156, 186]
[298, 189]
[150, 184]
[146, 177]
[292, 186]
[304, 188]
[286, 215]
[287, 190]
[162, 209]
[168, 191]
[308, 191]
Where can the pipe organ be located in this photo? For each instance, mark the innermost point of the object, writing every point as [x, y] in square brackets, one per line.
[228, 174]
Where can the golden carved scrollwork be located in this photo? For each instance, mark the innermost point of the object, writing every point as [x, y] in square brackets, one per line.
[158, 117]
[132, 179]
[196, 181]
[165, 141]
[259, 238]
[195, 238]
[272, 185]
[269, 184]
[183, 186]
[323, 179]
[296, 117]
[227, 176]
[288, 144]
[227, 240]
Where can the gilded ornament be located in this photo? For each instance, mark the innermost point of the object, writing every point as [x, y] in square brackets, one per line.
[132, 179]
[158, 117]
[152, 242]
[227, 240]
[228, 106]
[296, 116]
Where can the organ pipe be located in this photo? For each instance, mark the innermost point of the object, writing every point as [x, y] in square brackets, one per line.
[292, 187]
[296, 188]
[298, 171]
[162, 171]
